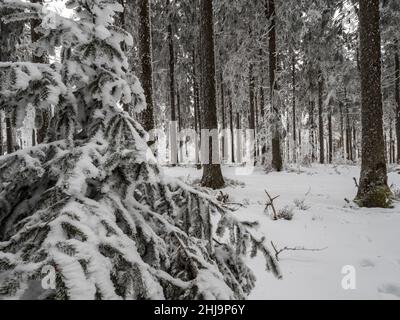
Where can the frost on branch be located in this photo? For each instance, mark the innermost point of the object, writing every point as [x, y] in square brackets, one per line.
[113, 227]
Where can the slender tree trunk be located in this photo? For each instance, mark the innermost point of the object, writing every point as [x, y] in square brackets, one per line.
[262, 114]
[252, 119]
[294, 107]
[354, 140]
[223, 116]
[397, 98]
[232, 128]
[257, 127]
[239, 155]
[373, 187]
[196, 91]
[330, 144]
[277, 163]
[1, 134]
[342, 146]
[33, 137]
[178, 104]
[321, 120]
[212, 174]
[392, 143]
[173, 125]
[145, 56]
[312, 130]
[197, 115]
[44, 115]
[348, 135]
[9, 134]
[8, 39]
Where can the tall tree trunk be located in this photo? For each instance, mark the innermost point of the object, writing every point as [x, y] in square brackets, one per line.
[231, 127]
[196, 100]
[44, 115]
[397, 97]
[392, 144]
[312, 129]
[342, 144]
[239, 154]
[262, 115]
[9, 134]
[173, 124]
[321, 120]
[330, 133]
[252, 119]
[1, 134]
[349, 140]
[8, 38]
[277, 163]
[373, 187]
[294, 107]
[178, 105]
[145, 56]
[212, 174]
[257, 127]
[223, 140]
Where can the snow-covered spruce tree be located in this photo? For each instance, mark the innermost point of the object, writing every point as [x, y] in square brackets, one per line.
[91, 202]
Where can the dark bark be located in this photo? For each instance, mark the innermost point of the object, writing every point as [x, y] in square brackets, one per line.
[9, 134]
[41, 132]
[397, 98]
[391, 143]
[262, 113]
[223, 114]
[277, 163]
[173, 133]
[349, 137]
[145, 56]
[171, 73]
[232, 128]
[212, 174]
[196, 94]
[321, 120]
[294, 106]
[1, 134]
[252, 119]
[238, 139]
[33, 137]
[9, 34]
[373, 187]
[342, 146]
[312, 130]
[330, 134]
[178, 104]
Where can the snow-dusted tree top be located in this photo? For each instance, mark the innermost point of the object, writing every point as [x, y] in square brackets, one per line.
[91, 202]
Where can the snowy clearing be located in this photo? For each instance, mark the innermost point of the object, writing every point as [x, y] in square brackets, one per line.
[366, 239]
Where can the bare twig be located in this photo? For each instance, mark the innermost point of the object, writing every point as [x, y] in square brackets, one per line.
[271, 204]
[278, 252]
[217, 242]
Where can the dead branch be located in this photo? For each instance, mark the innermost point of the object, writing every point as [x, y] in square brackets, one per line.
[356, 182]
[278, 252]
[271, 204]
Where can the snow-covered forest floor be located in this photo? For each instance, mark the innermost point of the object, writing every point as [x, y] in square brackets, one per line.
[366, 239]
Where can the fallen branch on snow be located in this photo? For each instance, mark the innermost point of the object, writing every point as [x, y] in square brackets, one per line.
[278, 252]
